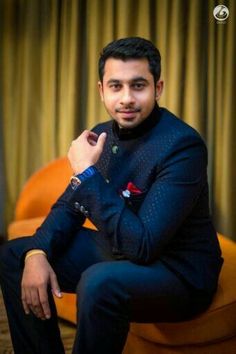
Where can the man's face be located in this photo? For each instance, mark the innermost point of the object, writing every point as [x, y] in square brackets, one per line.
[128, 91]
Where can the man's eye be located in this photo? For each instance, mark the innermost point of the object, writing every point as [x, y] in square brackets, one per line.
[138, 86]
[115, 87]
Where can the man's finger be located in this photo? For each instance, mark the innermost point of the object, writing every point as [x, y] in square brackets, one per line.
[36, 306]
[101, 140]
[24, 303]
[92, 138]
[89, 134]
[54, 285]
[43, 296]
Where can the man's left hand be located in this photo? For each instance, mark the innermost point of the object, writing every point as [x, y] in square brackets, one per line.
[85, 150]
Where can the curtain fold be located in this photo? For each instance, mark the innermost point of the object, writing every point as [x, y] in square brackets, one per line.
[49, 52]
[224, 125]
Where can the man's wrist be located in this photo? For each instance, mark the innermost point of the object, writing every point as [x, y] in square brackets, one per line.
[34, 252]
[88, 172]
[76, 180]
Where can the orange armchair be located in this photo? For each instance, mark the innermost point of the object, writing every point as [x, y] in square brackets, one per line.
[213, 332]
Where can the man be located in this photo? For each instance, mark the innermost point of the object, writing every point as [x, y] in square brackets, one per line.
[141, 179]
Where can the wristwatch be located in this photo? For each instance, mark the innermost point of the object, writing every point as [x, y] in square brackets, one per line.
[74, 182]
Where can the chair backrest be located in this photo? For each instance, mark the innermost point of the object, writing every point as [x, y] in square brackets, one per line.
[42, 189]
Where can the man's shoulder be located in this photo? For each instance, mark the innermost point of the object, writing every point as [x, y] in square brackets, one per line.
[172, 125]
[102, 127]
[174, 136]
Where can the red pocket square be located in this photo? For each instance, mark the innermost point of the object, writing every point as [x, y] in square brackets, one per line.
[133, 189]
[130, 189]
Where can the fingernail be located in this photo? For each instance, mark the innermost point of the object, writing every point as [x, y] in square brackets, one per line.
[59, 294]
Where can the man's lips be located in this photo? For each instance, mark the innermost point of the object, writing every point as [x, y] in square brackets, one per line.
[128, 113]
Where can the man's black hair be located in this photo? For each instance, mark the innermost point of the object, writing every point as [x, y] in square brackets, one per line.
[132, 48]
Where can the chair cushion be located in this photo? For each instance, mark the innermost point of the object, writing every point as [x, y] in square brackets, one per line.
[218, 322]
[42, 189]
[24, 227]
[66, 307]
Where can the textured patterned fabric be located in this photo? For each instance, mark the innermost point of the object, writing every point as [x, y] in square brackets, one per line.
[166, 161]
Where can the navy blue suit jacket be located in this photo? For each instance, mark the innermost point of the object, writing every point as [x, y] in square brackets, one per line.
[166, 219]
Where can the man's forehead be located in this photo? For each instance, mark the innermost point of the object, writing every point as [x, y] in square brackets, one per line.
[131, 69]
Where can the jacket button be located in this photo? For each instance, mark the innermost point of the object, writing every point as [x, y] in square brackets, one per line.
[86, 213]
[82, 209]
[115, 149]
[77, 205]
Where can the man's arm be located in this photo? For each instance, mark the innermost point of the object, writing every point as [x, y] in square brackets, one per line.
[52, 236]
[56, 230]
[142, 237]
[49, 239]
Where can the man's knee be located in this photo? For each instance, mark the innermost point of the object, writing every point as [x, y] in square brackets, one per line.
[92, 281]
[100, 284]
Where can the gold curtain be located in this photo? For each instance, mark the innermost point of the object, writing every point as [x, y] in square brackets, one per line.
[49, 79]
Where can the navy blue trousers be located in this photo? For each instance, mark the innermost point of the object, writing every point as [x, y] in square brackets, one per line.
[111, 294]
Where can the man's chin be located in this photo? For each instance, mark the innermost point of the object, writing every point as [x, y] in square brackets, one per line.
[127, 123]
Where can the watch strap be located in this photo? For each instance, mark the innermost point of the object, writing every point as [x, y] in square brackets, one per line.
[79, 178]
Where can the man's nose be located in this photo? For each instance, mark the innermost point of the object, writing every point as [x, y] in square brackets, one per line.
[127, 96]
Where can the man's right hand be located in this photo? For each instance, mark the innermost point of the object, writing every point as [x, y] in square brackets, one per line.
[37, 276]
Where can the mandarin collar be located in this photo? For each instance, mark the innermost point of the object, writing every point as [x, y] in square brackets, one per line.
[141, 129]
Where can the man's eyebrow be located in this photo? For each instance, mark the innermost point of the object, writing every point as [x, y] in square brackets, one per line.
[135, 79]
[113, 81]
[139, 78]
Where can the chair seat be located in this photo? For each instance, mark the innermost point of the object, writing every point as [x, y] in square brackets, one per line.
[213, 332]
[207, 327]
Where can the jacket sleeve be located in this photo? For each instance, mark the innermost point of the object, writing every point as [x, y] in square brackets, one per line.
[58, 227]
[143, 236]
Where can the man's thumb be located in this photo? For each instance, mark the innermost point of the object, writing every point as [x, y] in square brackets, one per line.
[101, 140]
[54, 286]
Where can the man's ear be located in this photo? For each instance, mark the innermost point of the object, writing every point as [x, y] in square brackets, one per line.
[159, 89]
[100, 88]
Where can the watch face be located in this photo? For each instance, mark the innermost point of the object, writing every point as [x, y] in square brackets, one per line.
[75, 182]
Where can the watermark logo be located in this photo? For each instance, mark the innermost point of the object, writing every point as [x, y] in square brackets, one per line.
[221, 13]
